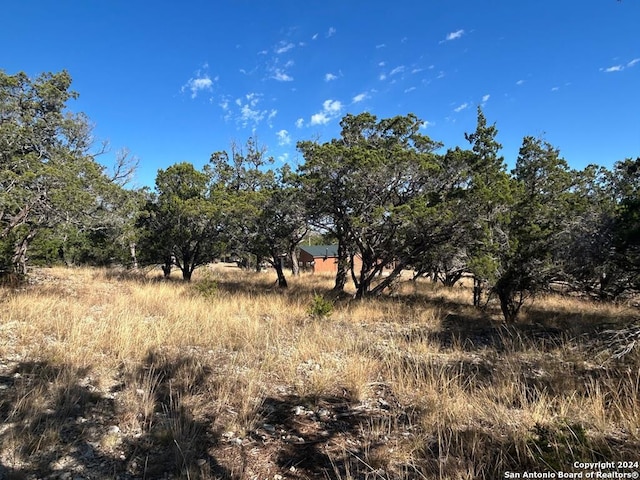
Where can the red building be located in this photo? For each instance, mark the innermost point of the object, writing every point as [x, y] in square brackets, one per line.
[321, 258]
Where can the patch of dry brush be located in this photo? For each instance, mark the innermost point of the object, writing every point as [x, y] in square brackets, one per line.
[113, 376]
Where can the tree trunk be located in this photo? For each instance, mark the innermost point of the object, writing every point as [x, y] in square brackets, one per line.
[295, 266]
[367, 274]
[19, 260]
[186, 273]
[343, 267]
[451, 278]
[390, 280]
[363, 288]
[277, 264]
[510, 302]
[477, 292]
[166, 268]
[134, 258]
[435, 274]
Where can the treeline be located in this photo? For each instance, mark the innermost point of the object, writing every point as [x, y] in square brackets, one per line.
[382, 191]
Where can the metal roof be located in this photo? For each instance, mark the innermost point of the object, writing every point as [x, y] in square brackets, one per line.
[321, 250]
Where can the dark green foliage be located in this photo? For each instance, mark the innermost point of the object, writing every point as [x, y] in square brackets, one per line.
[599, 253]
[536, 225]
[207, 287]
[49, 179]
[320, 307]
[627, 221]
[266, 217]
[489, 201]
[182, 223]
[382, 192]
[558, 445]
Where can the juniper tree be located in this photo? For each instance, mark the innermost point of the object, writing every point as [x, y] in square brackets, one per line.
[48, 172]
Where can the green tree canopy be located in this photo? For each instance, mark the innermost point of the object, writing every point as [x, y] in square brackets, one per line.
[381, 191]
[48, 174]
[267, 217]
[536, 225]
[182, 223]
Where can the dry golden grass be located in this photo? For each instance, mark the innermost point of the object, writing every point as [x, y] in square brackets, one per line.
[127, 376]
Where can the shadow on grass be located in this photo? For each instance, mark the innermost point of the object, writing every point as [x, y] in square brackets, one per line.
[476, 452]
[56, 422]
[50, 416]
[172, 440]
[326, 436]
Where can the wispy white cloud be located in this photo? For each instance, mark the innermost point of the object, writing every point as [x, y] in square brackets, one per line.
[247, 111]
[283, 47]
[250, 72]
[382, 64]
[381, 45]
[281, 76]
[485, 98]
[520, 82]
[620, 67]
[315, 36]
[330, 110]
[417, 70]
[382, 76]
[426, 124]
[271, 116]
[198, 84]
[555, 89]
[253, 98]
[397, 70]
[461, 107]
[332, 106]
[283, 158]
[410, 89]
[454, 35]
[300, 123]
[249, 115]
[329, 77]
[319, 118]
[331, 32]
[359, 98]
[283, 137]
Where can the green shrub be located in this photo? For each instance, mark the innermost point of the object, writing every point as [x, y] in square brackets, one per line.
[320, 307]
[207, 287]
[556, 445]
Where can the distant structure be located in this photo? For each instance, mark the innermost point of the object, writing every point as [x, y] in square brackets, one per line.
[319, 258]
[322, 259]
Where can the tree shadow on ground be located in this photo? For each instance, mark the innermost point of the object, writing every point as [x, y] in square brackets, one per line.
[173, 439]
[53, 421]
[327, 436]
[57, 422]
[486, 453]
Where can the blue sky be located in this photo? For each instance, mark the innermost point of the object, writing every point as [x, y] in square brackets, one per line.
[177, 81]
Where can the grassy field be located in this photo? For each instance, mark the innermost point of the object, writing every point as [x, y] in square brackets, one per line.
[111, 375]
